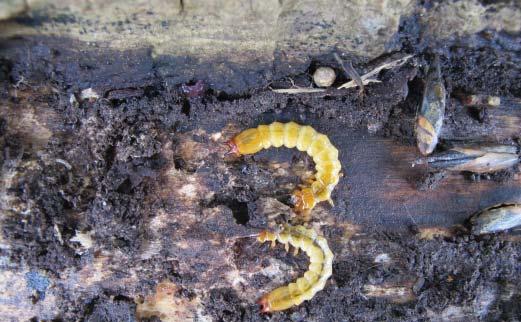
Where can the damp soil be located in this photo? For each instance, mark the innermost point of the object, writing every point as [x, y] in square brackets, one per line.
[115, 164]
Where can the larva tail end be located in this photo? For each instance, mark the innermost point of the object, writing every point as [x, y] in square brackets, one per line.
[264, 304]
[266, 236]
[262, 236]
[304, 200]
[331, 202]
[233, 147]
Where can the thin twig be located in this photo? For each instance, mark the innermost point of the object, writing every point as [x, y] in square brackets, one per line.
[298, 90]
[352, 84]
[370, 76]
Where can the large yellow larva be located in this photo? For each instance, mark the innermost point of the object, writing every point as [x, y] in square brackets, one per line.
[314, 280]
[306, 139]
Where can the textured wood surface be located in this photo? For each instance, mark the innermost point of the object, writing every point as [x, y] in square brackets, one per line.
[117, 194]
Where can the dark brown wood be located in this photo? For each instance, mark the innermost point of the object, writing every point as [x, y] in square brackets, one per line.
[117, 195]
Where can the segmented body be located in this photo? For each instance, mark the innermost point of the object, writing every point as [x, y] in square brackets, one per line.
[314, 280]
[306, 139]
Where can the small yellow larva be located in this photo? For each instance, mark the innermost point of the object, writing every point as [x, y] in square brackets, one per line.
[304, 138]
[313, 281]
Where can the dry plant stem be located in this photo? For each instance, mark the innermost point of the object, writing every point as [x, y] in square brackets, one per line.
[298, 90]
[368, 78]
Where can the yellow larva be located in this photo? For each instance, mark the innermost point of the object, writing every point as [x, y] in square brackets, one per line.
[306, 139]
[314, 280]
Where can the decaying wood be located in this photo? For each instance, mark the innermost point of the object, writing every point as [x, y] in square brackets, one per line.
[196, 226]
[116, 187]
[167, 304]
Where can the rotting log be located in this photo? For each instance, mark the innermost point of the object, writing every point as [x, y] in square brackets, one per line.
[193, 226]
[117, 194]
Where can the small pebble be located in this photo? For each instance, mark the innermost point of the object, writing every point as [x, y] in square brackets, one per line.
[324, 76]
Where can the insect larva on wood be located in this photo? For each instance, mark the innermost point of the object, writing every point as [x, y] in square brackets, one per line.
[304, 138]
[432, 110]
[314, 280]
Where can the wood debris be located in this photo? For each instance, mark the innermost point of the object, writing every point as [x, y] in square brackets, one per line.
[366, 79]
[350, 72]
[369, 77]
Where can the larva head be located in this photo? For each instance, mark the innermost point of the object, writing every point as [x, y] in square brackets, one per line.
[233, 147]
[304, 200]
[264, 303]
[279, 299]
[247, 142]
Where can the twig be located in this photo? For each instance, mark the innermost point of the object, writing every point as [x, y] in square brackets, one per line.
[369, 76]
[298, 90]
[352, 84]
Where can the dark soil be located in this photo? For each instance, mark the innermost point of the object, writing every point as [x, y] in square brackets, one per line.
[120, 147]
[111, 311]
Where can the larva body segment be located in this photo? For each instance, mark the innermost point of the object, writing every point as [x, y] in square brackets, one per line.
[305, 139]
[314, 280]
[264, 133]
[291, 133]
[320, 144]
[277, 134]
